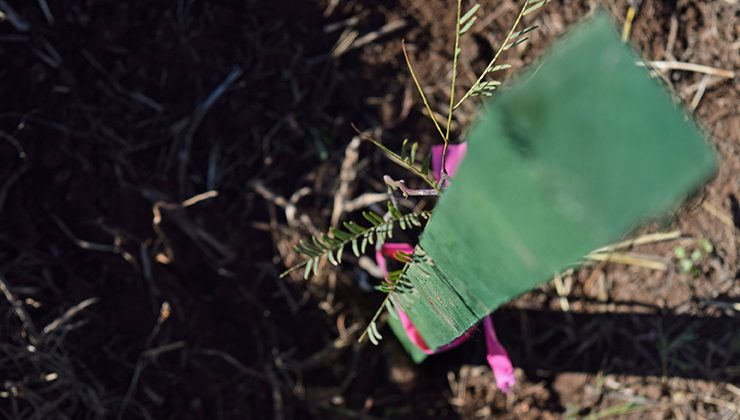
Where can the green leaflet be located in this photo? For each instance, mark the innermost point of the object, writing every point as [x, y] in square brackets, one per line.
[332, 244]
[579, 152]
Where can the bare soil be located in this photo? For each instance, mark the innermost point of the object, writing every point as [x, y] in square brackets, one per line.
[114, 115]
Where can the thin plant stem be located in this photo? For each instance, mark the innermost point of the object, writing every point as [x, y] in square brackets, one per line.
[398, 159]
[375, 317]
[452, 86]
[421, 91]
[495, 57]
[384, 304]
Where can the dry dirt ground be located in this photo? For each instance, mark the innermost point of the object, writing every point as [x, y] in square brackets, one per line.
[159, 160]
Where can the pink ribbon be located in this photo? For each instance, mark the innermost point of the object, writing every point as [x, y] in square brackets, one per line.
[496, 355]
[453, 159]
[388, 250]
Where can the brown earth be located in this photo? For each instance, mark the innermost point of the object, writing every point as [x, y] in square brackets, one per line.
[114, 113]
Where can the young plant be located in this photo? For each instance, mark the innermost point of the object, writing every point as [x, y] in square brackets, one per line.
[332, 244]
[691, 263]
[556, 195]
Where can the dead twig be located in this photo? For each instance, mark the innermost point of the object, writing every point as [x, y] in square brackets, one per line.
[87, 245]
[350, 21]
[721, 216]
[20, 311]
[365, 200]
[231, 360]
[10, 181]
[367, 264]
[699, 92]
[350, 39]
[347, 174]
[289, 206]
[9, 14]
[672, 35]
[194, 232]
[692, 88]
[156, 351]
[67, 315]
[679, 65]
[191, 125]
[46, 11]
[329, 353]
[277, 396]
[641, 240]
[164, 313]
[401, 185]
[16, 144]
[135, 96]
[631, 258]
[92, 246]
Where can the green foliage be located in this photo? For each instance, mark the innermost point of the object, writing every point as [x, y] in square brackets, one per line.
[481, 87]
[690, 263]
[579, 160]
[333, 243]
[408, 155]
[466, 22]
[397, 282]
[532, 5]
[485, 88]
[406, 159]
[357, 237]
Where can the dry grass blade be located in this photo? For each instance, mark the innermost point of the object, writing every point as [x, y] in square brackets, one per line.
[641, 240]
[164, 314]
[87, 245]
[356, 41]
[9, 14]
[156, 351]
[68, 314]
[629, 258]
[29, 327]
[192, 124]
[16, 144]
[697, 68]
[46, 11]
[632, 10]
[365, 200]
[291, 210]
[421, 91]
[347, 174]
[719, 214]
[192, 230]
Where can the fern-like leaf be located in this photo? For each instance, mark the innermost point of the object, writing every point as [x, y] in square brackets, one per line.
[396, 282]
[332, 244]
[513, 39]
[405, 160]
[373, 334]
[485, 88]
[515, 43]
[533, 5]
[526, 30]
[466, 22]
[499, 67]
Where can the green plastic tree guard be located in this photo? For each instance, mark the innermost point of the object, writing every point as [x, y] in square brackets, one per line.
[580, 151]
